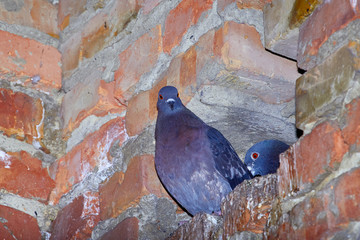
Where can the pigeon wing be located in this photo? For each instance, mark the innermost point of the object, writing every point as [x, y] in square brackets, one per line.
[227, 162]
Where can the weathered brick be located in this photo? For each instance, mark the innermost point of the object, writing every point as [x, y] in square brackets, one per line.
[21, 116]
[242, 4]
[15, 224]
[91, 153]
[351, 131]
[77, 219]
[22, 174]
[329, 17]
[247, 207]
[282, 19]
[201, 226]
[127, 229]
[124, 190]
[322, 215]
[240, 48]
[28, 58]
[95, 98]
[96, 33]
[322, 92]
[310, 160]
[39, 14]
[69, 9]
[137, 59]
[186, 14]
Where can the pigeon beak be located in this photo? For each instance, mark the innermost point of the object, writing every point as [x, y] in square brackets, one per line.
[171, 102]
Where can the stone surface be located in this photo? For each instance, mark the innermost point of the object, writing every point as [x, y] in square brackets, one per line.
[69, 9]
[76, 220]
[15, 224]
[124, 190]
[248, 206]
[92, 154]
[323, 92]
[201, 226]
[309, 160]
[351, 131]
[128, 229]
[22, 174]
[327, 18]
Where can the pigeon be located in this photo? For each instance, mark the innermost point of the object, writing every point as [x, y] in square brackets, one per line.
[196, 164]
[263, 157]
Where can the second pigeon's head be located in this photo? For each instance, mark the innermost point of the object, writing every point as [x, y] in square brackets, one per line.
[168, 100]
[263, 157]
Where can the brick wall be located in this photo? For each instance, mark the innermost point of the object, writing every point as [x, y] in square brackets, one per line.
[79, 83]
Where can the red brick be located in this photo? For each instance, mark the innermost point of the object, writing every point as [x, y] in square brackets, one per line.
[92, 152]
[351, 131]
[22, 116]
[347, 196]
[67, 9]
[78, 219]
[95, 98]
[127, 229]
[329, 211]
[240, 48]
[96, 34]
[27, 58]
[137, 59]
[310, 159]
[24, 175]
[122, 191]
[38, 14]
[15, 224]
[186, 14]
[327, 18]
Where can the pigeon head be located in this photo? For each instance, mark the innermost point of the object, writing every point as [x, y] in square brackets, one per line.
[263, 157]
[168, 100]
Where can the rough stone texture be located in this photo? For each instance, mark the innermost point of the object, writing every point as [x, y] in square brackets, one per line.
[22, 174]
[201, 226]
[247, 207]
[38, 64]
[76, 220]
[124, 190]
[15, 224]
[282, 19]
[328, 18]
[128, 229]
[323, 92]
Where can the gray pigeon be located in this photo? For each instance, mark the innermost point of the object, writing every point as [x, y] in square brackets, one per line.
[263, 157]
[194, 161]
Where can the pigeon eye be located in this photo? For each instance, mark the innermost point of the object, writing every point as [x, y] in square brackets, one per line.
[177, 95]
[254, 155]
[161, 97]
